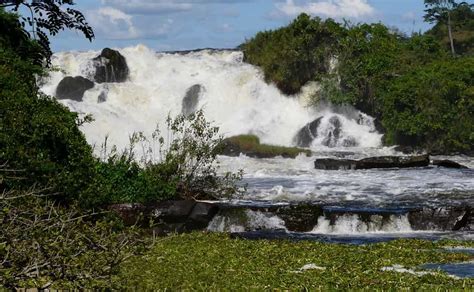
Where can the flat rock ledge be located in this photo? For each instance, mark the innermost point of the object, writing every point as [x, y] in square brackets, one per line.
[167, 217]
[373, 162]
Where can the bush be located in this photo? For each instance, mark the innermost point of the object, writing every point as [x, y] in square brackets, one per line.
[44, 245]
[433, 106]
[183, 167]
[39, 136]
[293, 55]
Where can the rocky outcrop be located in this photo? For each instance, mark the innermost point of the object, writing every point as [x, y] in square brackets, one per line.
[191, 99]
[111, 66]
[334, 132]
[300, 218]
[373, 162]
[442, 218]
[102, 97]
[167, 216]
[448, 164]
[249, 145]
[73, 88]
[307, 134]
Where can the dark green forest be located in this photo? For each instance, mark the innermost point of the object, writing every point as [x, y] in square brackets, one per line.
[420, 92]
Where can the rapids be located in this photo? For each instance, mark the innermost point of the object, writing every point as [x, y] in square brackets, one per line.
[235, 97]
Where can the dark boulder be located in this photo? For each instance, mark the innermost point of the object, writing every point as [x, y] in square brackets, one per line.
[131, 214]
[111, 66]
[334, 133]
[102, 97]
[191, 99]
[300, 218]
[373, 162]
[448, 164]
[335, 164]
[442, 218]
[393, 162]
[307, 134]
[73, 88]
[201, 215]
[172, 211]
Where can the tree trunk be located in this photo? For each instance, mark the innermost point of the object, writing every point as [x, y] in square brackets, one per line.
[450, 33]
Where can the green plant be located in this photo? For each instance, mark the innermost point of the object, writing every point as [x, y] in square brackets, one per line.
[154, 168]
[433, 106]
[38, 135]
[44, 244]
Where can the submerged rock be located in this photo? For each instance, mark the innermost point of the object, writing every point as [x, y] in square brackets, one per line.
[73, 88]
[334, 132]
[102, 97]
[373, 162]
[111, 66]
[307, 134]
[448, 164]
[191, 99]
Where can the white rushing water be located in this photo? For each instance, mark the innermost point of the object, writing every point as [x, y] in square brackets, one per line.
[235, 97]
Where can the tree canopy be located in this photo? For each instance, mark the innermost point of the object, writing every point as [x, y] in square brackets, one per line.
[42, 18]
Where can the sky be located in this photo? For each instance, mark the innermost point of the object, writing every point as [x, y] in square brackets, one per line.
[168, 25]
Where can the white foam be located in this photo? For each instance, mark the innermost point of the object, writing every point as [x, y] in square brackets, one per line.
[236, 97]
[352, 224]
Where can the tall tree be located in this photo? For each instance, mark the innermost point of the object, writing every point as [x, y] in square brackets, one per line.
[47, 17]
[440, 11]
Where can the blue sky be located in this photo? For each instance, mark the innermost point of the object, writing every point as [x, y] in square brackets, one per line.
[191, 24]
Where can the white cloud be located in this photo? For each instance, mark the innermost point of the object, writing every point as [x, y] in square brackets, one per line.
[112, 23]
[327, 8]
[149, 6]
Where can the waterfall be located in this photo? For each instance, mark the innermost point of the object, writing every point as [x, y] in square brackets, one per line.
[233, 95]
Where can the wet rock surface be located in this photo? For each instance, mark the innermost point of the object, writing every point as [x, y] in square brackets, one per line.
[111, 66]
[73, 88]
[372, 162]
[307, 134]
[448, 164]
[191, 99]
[167, 216]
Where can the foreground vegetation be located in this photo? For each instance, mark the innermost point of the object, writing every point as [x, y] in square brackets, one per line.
[201, 261]
[419, 86]
[55, 194]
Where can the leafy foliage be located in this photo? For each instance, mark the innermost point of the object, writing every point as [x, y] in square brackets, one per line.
[38, 135]
[183, 167]
[47, 17]
[296, 54]
[462, 19]
[43, 244]
[433, 106]
[203, 261]
[370, 63]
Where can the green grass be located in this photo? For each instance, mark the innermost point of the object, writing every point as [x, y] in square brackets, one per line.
[250, 145]
[201, 261]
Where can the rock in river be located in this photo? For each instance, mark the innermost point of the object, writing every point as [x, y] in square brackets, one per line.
[111, 66]
[73, 88]
[373, 162]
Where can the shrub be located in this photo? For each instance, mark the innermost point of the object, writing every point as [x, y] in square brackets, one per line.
[293, 55]
[185, 166]
[43, 244]
[433, 106]
[38, 135]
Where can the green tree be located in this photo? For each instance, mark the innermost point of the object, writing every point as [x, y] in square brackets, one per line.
[440, 11]
[43, 18]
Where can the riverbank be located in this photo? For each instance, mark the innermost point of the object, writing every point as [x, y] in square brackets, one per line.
[203, 261]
